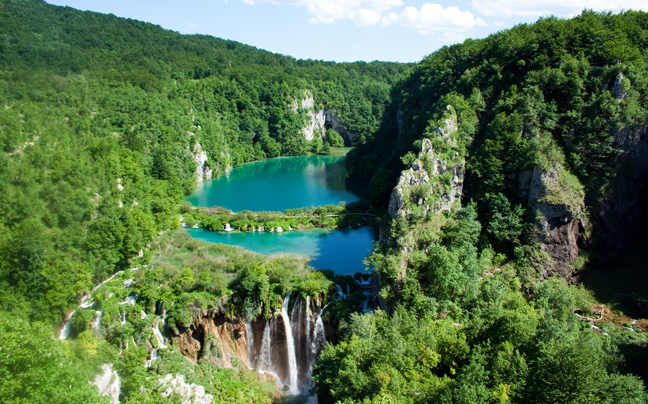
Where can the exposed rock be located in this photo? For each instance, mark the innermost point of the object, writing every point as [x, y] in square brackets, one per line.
[425, 187]
[203, 172]
[315, 126]
[189, 393]
[108, 383]
[557, 200]
[216, 339]
[332, 121]
[319, 121]
[617, 88]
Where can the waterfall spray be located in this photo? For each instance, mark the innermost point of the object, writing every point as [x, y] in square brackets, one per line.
[290, 343]
[65, 331]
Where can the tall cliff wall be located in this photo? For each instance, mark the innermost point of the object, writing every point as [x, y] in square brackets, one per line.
[434, 182]
[557, 201]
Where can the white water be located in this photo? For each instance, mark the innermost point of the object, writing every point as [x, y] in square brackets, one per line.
[304, 336]
[340, 293]
[228, 227]
[249, 339]
[290, 343]
[158, 335]
[97, 324]
[265, 357]
[65, 331]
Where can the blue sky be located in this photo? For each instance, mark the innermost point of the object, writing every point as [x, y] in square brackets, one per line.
[346, 30]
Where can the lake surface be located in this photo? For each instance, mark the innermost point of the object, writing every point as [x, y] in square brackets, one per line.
[342, 251]
[282, 183]
[289, 183]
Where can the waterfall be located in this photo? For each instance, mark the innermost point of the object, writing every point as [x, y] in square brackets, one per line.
[303, 334]
[340, 293]
[290, 343]
[97, 324]
[308, 330]
[228, 227]
[158, 335]
[265, 358]
[249, 338]
[65, 331]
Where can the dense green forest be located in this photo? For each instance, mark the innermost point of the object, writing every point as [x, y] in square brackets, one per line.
[99, 124]
[479, 300]
[551, 126]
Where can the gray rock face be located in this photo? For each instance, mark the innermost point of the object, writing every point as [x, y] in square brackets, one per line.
[108, 383]
[617, 88]
[559, 220]
[427, 185]
[319, 121]
[189, 393]
[203, 172]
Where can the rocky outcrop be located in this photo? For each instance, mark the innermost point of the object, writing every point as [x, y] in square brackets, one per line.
[173, 387]
[434, 182]
[216, 339]
[108, 383]
[203, 172]
[320, 120]
[332, 121]
[558, 203]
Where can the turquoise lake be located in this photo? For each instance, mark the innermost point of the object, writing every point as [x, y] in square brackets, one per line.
[288, 183]
[342, 251]
[282, 183]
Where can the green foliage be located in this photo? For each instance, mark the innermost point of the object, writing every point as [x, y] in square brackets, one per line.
[34, 367]
[334, 139]
[101, 118]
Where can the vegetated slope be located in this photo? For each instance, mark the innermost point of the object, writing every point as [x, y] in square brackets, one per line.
[103, 121]
[541, 130]
[558, 92]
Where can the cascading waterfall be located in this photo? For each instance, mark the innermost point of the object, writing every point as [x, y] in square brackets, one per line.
[97, 324]
[290, 343]
[264, 361]
[158, 334]
[288, 352]
[65, 331]
[249, 338]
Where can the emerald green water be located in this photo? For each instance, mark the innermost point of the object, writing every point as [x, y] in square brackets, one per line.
[282, 183]
[288, 183]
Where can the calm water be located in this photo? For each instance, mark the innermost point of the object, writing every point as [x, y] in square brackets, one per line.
[339, 250]
[289, 183]
[282, 183]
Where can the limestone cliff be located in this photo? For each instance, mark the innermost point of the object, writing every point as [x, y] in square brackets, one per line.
[203, 172]
[434, 181]
[319, 120]
[216, 339]
[558, 202]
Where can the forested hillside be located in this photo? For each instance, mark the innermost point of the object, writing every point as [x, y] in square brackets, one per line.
[104, 122]
[510, 165]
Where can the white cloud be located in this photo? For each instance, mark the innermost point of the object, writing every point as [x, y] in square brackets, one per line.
[452, 37]
[559, 8]
[362, 12]
[365, 13]
[433, 17]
